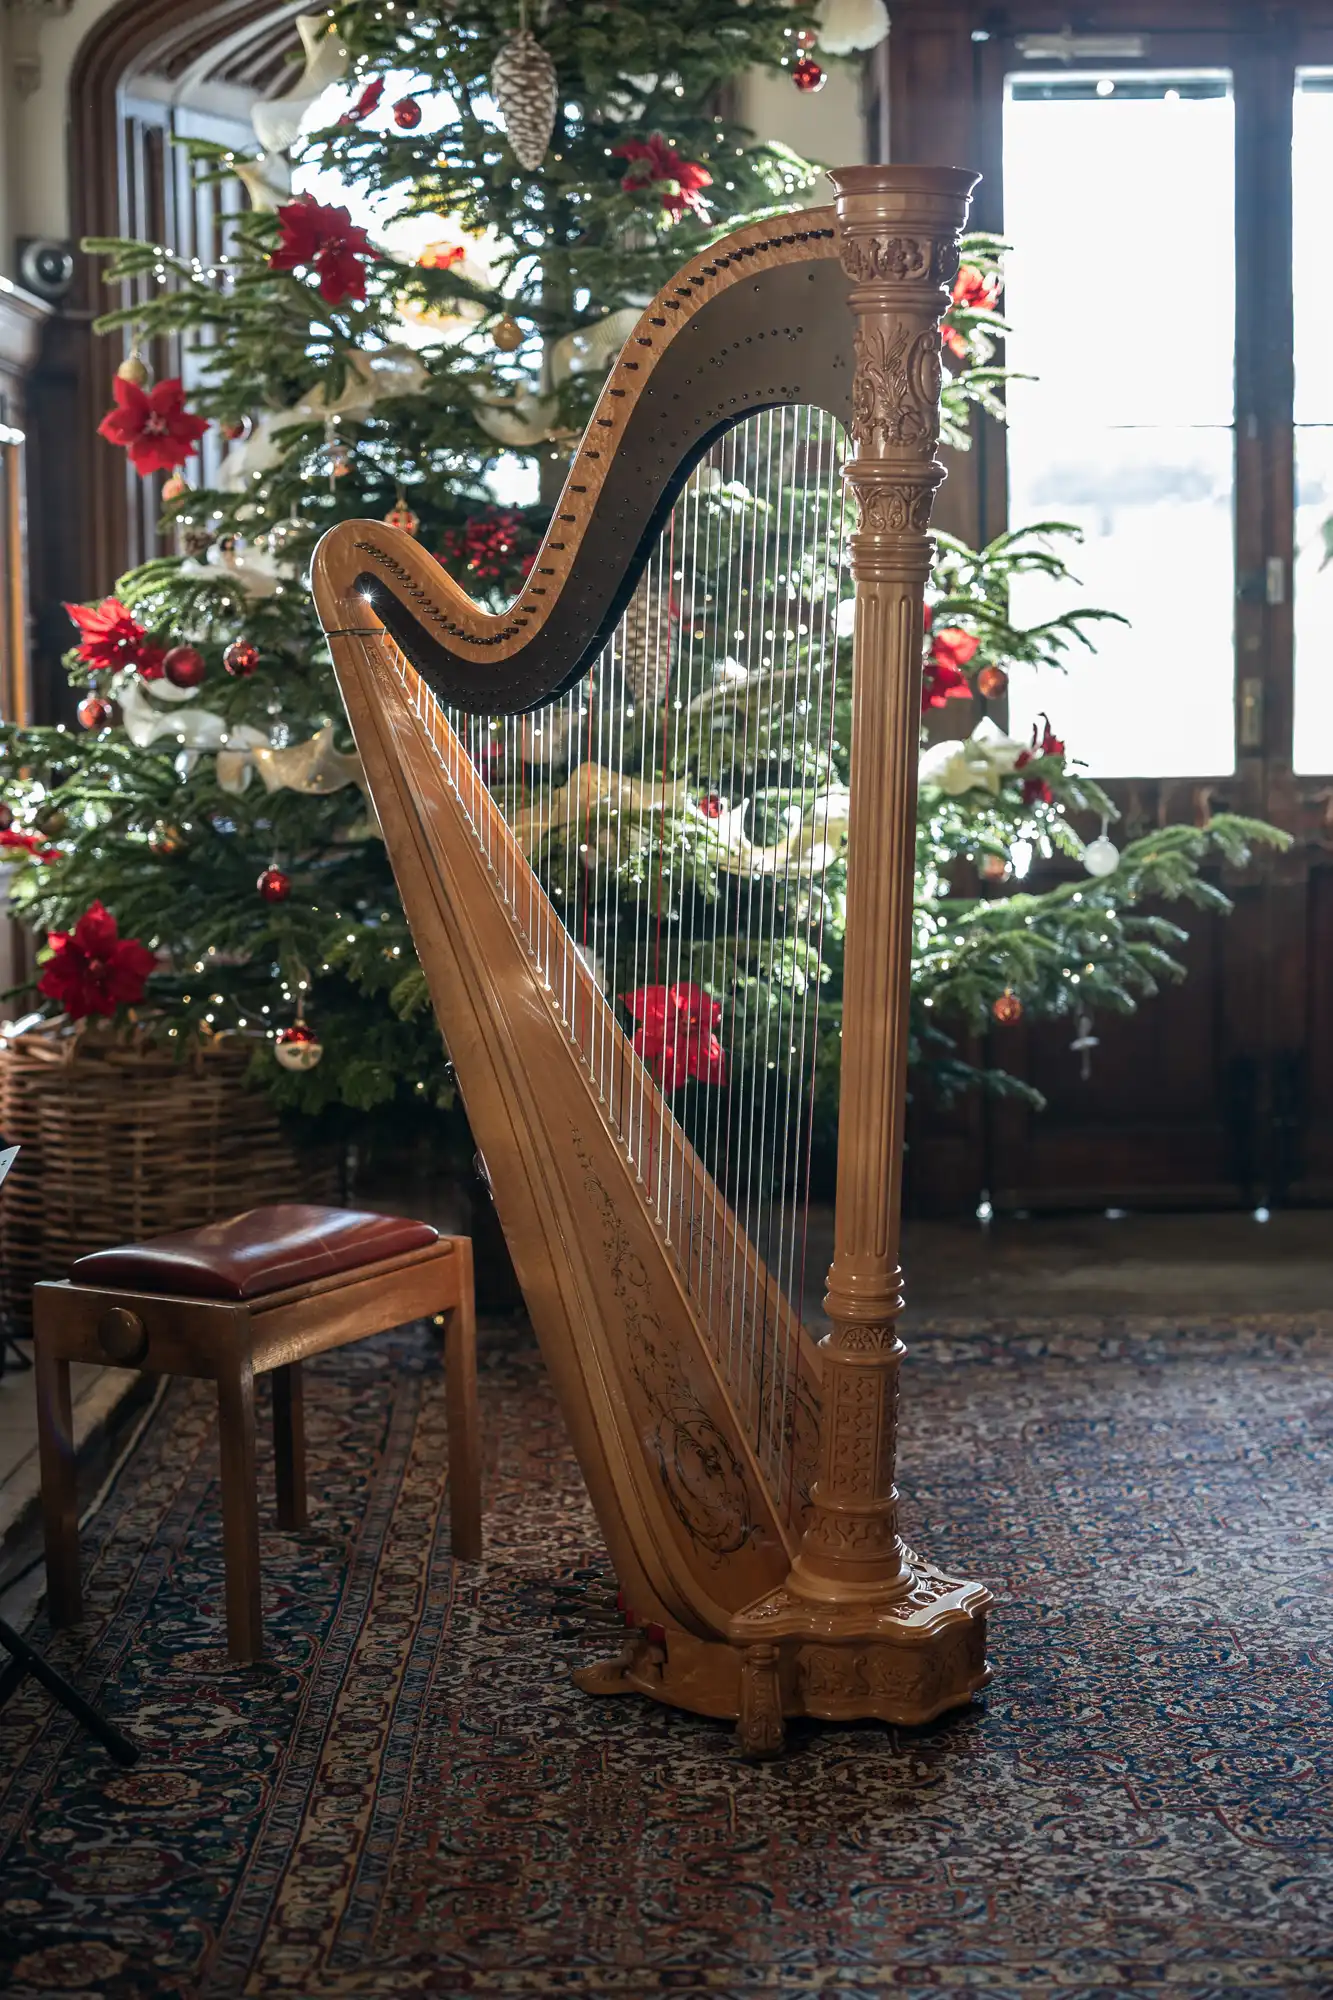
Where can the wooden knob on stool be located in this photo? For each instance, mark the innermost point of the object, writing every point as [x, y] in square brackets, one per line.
[122, 1336]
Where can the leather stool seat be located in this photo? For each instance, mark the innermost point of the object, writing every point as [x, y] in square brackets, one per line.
[263, 1250]
[257, 1294]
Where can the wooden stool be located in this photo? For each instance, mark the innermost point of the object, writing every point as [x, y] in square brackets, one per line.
[227, 1302]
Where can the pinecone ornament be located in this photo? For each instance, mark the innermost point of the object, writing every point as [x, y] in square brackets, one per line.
[523, 85]
[645, 644]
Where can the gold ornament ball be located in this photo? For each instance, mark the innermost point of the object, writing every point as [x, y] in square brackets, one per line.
[507, 334]
[1008, 1008]
[164, 839]
[992, 867]
[992, 682]
[133, 369]
[175, 488]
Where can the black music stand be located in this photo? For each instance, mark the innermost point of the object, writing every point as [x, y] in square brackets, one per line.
[25, 1658]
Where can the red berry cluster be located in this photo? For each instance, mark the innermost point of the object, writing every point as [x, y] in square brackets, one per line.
[488, 544]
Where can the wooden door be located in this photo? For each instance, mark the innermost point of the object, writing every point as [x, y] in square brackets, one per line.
[1220, 1092]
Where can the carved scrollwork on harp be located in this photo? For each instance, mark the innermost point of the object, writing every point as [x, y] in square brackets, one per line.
[703, 1478]
[873, 258]
[897, 510]
[895, 398]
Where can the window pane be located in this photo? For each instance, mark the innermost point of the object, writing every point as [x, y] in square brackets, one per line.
[1312, 275]
[1118, 191]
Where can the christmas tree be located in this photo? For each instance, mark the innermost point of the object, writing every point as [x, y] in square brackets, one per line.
[522, 196]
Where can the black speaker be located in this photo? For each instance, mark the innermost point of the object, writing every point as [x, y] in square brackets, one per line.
[45, 266]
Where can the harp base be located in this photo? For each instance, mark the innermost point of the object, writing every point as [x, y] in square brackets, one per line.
[907, 1661]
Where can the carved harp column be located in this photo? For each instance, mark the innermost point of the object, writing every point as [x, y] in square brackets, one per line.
[877, 1629]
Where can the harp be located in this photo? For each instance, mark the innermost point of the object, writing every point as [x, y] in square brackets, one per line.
[541, 776]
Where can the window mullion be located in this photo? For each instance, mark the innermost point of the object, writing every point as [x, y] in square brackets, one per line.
[1265, 490]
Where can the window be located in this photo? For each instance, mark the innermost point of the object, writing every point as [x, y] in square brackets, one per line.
[1118, 193]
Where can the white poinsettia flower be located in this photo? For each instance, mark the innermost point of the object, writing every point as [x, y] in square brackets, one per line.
[978, 762]
[145, 719]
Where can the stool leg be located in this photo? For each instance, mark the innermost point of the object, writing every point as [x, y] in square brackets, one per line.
[60, 1507]
[289, 1445]
[240, 1508]
[460, 1390]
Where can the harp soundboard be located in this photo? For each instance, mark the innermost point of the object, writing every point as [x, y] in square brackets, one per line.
[730, 593]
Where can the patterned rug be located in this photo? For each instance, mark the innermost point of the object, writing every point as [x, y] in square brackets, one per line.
[413, 1799]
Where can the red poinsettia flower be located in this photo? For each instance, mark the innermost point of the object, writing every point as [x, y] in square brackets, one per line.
[365, 104]
[974, 291]
[943, 679]
[31, 843]
[326, 238]
[1036, 791]
[92, 969]
[654, 164]
[676, 1038]
[153, 425]
[110, 637]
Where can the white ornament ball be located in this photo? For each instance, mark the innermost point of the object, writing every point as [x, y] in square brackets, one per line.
[298, 1048]
[1101, 856]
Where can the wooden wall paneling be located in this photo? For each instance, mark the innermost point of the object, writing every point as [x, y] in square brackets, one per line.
[931, 119]
[1312, 1179]
[1170, 1139]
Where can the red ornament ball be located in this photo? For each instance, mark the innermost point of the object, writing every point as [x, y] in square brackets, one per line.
[185, 666]
[407, 114]
[806, 37]
[992, 682]
[94, 711]
[710, 805]
[1008, 1008]
[274, 886]
[241, 658]
[807, 74]
[298, 1047]
[402, 517]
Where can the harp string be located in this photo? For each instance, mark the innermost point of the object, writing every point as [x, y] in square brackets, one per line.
[610, 792]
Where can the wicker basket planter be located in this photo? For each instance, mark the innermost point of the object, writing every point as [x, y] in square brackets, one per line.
[120, 1140]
